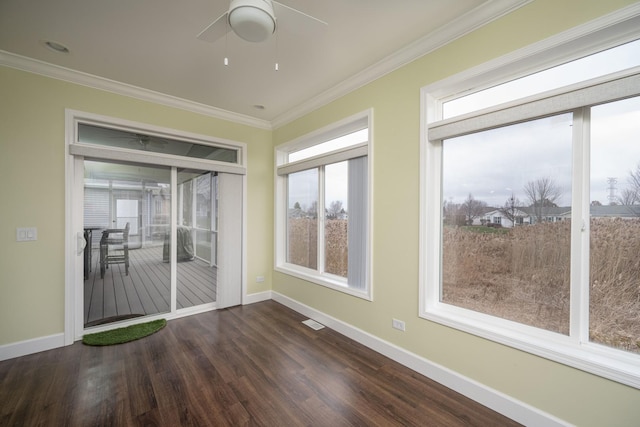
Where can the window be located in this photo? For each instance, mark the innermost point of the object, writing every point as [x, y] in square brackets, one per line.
[322, 206]
[479, 269]
[591, 66]
[614, 271]
[558, 174]
[150, 143]
[302, 218]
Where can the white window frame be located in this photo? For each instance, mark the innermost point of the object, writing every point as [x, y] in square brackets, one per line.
[78, 148]
[346, 126]
[575, 349]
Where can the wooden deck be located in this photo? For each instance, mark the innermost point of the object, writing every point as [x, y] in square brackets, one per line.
[146, 290]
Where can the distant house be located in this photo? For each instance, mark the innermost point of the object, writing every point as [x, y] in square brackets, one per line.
[619, 211]
[527, 216]
[548, 214]
[612, 211]
[498, 217]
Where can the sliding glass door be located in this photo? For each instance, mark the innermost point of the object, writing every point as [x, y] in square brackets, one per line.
[129, 254]
[127, 217]
[196, 239]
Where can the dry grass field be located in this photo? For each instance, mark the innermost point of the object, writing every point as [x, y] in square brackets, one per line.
[615, 283]
[303, 238]
[522, 274]
[303, 242]
[336, 253]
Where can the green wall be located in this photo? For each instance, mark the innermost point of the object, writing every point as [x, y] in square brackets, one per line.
[567, 393]
[32, 168]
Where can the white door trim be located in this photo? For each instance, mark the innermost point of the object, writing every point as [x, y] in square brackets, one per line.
[74, 189]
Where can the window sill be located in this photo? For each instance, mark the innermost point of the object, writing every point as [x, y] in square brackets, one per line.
[327, 280]
[607, 362]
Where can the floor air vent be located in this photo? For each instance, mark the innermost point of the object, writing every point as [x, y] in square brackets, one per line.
[313, 324]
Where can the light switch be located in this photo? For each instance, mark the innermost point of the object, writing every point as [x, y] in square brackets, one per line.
[26, 234]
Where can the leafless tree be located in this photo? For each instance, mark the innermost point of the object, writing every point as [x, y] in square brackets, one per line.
[542, 194]
[631, 195]
[335, 208]
[511, 209]
[312, 212]
[628, 197]
[634, 179]
[472, 208]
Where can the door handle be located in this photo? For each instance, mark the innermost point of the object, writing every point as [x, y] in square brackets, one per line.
[81, 242]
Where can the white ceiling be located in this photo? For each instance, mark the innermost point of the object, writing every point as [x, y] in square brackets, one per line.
[153, 45]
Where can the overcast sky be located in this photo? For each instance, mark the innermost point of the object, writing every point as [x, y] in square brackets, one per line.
[303, 186]
[615, 145]
[494, 164]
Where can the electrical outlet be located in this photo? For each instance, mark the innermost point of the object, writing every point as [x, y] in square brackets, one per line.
[398, 324]
[260, 279]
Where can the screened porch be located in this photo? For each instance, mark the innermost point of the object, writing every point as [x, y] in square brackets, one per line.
[127, 222]
[145, 290]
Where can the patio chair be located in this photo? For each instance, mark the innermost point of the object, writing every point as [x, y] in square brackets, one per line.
[114, 248]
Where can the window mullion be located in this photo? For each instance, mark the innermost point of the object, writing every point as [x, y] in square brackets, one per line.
[432, 221]
[321, 220]
[173, 247]
[579, 301]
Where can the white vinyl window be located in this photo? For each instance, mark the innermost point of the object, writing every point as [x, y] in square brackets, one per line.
[553, 273]
[322, 206]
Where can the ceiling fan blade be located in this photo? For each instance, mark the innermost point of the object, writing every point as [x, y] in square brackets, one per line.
[216, 30]
[295, 21]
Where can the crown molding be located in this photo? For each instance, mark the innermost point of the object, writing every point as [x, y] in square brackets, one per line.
[476, 18]
[465, 24]
[23, 63]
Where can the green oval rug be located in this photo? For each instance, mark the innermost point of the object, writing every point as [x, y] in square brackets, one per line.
[126, 334]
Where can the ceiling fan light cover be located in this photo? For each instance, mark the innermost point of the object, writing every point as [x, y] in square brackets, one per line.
[252, 20]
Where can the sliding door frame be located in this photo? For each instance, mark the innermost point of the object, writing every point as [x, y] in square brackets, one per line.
[76, 152]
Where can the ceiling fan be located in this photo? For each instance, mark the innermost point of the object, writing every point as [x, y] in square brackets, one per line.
[138, 141]
[257, 20]
[145, 141]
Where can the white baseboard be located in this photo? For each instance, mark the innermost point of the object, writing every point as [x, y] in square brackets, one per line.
[493, 399]
[36, 345]
[257, 297]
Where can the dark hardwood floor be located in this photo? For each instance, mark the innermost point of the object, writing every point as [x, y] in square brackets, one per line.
[247, 365]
